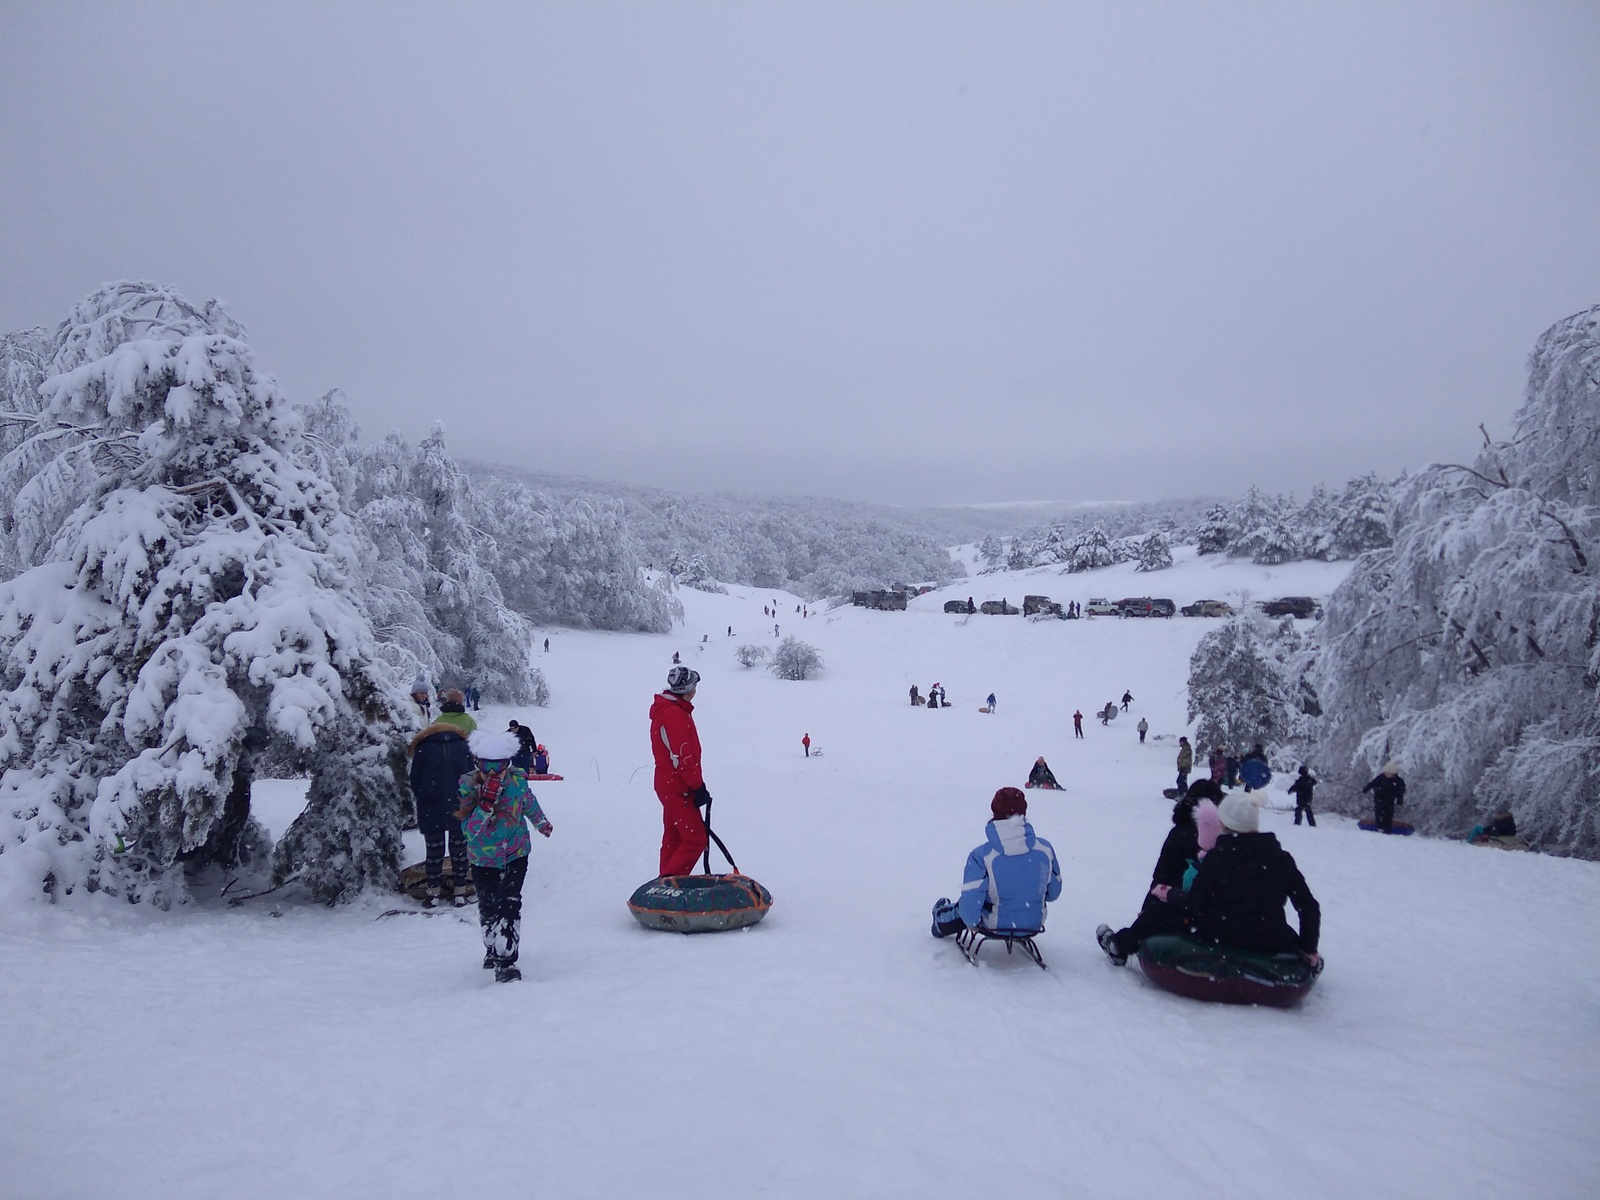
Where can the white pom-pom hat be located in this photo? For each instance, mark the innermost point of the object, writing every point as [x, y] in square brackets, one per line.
[492, 745]
[1241, 814]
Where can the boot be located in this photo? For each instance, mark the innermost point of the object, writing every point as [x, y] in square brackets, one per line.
[1108, 942]
[507, 973]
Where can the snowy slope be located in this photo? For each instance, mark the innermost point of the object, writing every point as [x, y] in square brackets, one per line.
[1451, 1049]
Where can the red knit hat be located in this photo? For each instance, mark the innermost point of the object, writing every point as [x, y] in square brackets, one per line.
[1008, 802]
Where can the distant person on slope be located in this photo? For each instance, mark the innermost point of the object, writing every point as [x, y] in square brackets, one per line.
[1008, 879]
[1127, 699]
[1042, 776]
[1144, 728]
[1077, 723]
[1388, 790]
[1219, 766]
[1301, 790]
[1185, 764]
[675, 743]
[439, 758]
[1239, 891]
[496, 805]
[993, 704]
[1195, 827]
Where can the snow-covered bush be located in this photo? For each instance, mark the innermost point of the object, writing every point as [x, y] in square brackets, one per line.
[748, 656]
[1468, 649]
[185, 608]
[795, 659]
[1247, 684]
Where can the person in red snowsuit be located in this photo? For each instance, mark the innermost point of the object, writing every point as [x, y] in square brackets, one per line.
[679, 784]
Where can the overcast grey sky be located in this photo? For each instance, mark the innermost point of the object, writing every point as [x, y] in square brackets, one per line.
[920, 252]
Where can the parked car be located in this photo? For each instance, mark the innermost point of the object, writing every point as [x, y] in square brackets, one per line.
[1101, 607]
[957, 606]
[1146, 606]
[998, 608]
[1300, 607]
[1040, 604]
[1207, 608]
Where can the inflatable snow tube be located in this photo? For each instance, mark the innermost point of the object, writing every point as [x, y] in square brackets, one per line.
[1255, 773]
[1205, 971]
[1403, 828]
[699, 903]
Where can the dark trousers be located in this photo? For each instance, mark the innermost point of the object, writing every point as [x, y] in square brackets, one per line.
[1141, 737]
[1157, 916]
[1077, 729]
[1383, 814]
[500, 908]
[1183, 782]
[1311, 817]
[433, 853]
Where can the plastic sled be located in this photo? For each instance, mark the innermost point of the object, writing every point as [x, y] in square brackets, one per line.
[1255, 774]
[1223, 974]
[1403, 828]
[542, 778]
[1046, 787]
[1504, 842]
[414, 881]
[699, 903]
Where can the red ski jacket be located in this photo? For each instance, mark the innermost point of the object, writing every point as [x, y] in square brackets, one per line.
[676, 744]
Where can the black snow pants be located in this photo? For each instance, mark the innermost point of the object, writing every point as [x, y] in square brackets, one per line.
[433, 841]
[1157, 916]
[1302, 806]
[1383, 814]
[500, 908]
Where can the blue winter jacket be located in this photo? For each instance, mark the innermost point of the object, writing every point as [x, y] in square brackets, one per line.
[1009, 878]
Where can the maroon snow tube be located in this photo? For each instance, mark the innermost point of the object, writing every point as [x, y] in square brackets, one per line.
[1225, 975]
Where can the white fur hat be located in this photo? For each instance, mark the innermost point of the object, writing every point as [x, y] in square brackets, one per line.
[1241, 814]
[493, 745]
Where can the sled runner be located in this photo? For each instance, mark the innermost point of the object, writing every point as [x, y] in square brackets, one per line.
[973, 940]
[414, 881]
[699, 903]
[1403, 828]
[543, 778]
[1225, 975]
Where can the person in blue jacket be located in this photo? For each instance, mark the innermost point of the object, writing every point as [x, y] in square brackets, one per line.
[1009, 879]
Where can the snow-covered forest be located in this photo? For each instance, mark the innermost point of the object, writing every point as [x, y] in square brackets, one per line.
[1465, 644]
[1265, 529]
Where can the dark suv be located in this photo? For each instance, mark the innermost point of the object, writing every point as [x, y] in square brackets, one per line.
[1300, 607]
[1144, 606]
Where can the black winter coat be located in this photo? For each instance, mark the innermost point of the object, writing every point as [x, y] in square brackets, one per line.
[1301, 789]
[1387, 787]
[1238, 894]
[1182, 845]
[437, 764]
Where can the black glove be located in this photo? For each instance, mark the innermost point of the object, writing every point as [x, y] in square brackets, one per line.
[700, 796]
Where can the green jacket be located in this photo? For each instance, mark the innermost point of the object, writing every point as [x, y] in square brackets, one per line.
[461, 720]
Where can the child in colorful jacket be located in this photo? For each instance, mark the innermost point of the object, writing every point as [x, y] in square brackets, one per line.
[496, 805]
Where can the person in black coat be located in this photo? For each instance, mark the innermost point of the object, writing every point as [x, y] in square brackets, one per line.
[1239, 891]
[527, 746]
[1301, 790]
[1388, 790]
[439, 758]
[1179, 852]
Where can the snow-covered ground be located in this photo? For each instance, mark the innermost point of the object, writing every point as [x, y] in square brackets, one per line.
[1452, 1048]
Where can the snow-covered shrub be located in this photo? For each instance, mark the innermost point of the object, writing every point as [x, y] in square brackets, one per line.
[748, 656]
[189, 612]
[1468, 649]
[696, 575]
[1247, 684]
[795, 659]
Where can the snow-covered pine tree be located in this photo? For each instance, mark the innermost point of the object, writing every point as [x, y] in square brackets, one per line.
[1362, 518]
[191, 613]
[1468, 650]
[1248, 683]
[1090, 551]
[1216, 531]
[992, 551]
[1154, 552]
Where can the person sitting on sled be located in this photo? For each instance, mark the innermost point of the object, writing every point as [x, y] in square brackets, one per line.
[1239, 891]
[496, 806]
[541, 760]
[1008, 880]
[1041, 775]
[1195, 828]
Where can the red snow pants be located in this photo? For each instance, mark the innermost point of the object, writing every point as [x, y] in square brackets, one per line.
[683, 834]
